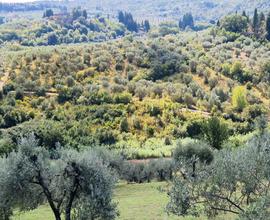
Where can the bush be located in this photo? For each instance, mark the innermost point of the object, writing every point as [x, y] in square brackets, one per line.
[19, 94]
[6, 146]
[105, 136]
[194, 129]
[155, 111]
[124, 126]
[146, 171]
[41, 91]
[192, 150]
[122, 98]
[239, 99]
[215, 132]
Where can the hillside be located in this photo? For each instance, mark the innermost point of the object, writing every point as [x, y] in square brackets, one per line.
[134, 92]
[135, 110]
[158, 10]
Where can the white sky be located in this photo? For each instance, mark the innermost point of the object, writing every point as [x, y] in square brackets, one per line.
[12, 1]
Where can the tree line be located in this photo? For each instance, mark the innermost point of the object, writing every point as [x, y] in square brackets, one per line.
[127, 19]
[10, 7]
[258, 25]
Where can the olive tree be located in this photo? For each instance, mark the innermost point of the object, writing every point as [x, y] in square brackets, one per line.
[192, 154]
[236, 181]
[75, 185]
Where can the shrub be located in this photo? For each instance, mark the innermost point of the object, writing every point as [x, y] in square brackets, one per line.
[124, 126]
[194, 129]
[167, 141]
[106, 136]
[150, 131]
[137, 124]
[215, 132]
[239, 99]
[148, 170]
[192, 150]
[19, 94]
[41, 91]
[155, 111]
[123, 98]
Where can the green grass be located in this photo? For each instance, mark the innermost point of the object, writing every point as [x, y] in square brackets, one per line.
[141, 201]
[42, 213]
[135, 202]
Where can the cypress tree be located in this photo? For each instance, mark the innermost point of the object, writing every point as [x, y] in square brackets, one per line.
[121, 16]
[244, 14]
[262, 17]
[128, 21]
[146, 25]
[255, 23]
[84, 14]
[48, 13]
[187, 21]
[268, 27]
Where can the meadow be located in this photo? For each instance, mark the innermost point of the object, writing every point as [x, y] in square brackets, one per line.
[135, 202]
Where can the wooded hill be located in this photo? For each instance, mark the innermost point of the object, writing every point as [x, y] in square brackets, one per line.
[134, 92]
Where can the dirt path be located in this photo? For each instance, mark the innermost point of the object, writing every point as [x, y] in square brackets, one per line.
[145, 161]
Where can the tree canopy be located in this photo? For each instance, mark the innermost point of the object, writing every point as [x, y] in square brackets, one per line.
[76, 184]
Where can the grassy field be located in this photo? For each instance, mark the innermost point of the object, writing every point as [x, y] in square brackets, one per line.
[135, 202]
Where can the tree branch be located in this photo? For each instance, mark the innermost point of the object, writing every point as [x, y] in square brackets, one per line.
[228, 200]
[224, 210]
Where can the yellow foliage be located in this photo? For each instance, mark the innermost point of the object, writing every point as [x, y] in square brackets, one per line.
[239, 98]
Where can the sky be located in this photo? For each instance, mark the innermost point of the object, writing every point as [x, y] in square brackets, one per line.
[12, 1]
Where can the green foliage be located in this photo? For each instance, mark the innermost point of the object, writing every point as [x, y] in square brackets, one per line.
[164, 63]
[193, 150]
[74, 183]
[124, 126]
[255, 22]
[159, 169]
[235, 23]
[147, 26]
[128, 21]
[52, 39]
[229, 184]
[186, 21]
[163, 85]
[167, 28]
[239, 100]
[195, 129]
[237, 69]
[62, 28]
[123, 98]
[268, 27]
[19, 94]
[215, 132]
[6, 146]
[48, 13]
[106, 136]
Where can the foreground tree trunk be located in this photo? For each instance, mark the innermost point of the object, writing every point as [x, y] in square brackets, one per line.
[56, 210]
[73, 192]
[57, 216]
